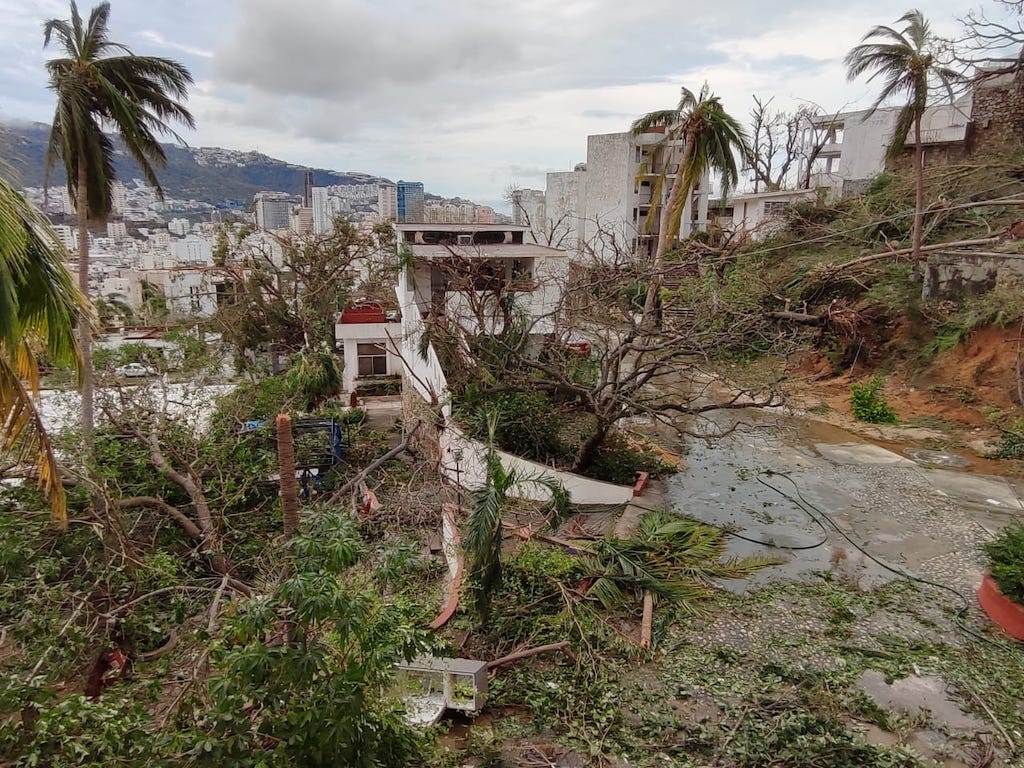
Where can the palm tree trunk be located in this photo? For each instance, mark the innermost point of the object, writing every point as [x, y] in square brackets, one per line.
[85, 320]
[286, 468]
[665, 225]
[919, 190]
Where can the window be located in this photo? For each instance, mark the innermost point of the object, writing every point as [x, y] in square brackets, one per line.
[775, 207]
[373, 359]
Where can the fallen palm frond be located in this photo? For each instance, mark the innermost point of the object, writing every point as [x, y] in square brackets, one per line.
[674, 558]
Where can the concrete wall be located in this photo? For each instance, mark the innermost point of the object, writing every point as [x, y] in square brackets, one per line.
[350, 335]
[565, 204]
[956, 276]
[611, 174]
[460, 458]
[998, 113]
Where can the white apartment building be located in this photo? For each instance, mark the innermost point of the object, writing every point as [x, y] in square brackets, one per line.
[756, 214]
[300, 220]
[322, 216]
[529, 209]
[535, 274]
[192, 249]
[68, 236]
[607, 194]
[118, 198]
[117, 230]
[387, 202]
[853, 145]
[179, 227]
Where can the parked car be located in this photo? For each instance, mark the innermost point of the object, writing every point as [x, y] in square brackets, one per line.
[135, 370]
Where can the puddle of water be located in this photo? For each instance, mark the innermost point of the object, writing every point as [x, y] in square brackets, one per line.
[728, 483]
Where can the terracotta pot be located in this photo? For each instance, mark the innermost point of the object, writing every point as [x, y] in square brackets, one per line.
[1001, 609]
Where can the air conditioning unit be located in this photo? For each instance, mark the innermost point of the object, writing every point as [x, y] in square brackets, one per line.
[465, 239]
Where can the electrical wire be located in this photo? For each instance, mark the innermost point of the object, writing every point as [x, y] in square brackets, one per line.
[807, 506]
[818, 515]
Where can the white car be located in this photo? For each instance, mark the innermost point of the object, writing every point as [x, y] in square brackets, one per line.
[134, 370]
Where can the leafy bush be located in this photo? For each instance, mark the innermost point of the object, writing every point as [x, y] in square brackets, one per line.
[1006, 561]
[869, 405]
[380, 387]
[618, 461]
[528, 422]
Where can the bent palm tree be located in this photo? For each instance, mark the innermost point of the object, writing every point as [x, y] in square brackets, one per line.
[710, 140]
[907, 62]
[102, 85]
[482, 542]
[38, 308]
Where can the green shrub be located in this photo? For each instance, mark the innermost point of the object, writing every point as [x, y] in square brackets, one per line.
[1006, 561]
[868, 405]
[381, 387]
[618, 461]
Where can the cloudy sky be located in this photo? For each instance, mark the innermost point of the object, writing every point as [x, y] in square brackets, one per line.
[468, 96]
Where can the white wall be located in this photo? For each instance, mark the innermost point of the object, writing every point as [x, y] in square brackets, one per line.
[351, 335]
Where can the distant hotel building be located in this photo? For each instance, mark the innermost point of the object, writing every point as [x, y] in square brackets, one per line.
[273, 210]
[409, 196]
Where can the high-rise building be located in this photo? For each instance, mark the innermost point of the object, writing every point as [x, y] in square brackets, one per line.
[300, 220]
[273, 210]
[179, 227]
[483, 214]
[118, 198]
[614, 192]
[307, 191]
[387, 201]
[323, 216]
[409, 196]
[529, 210]
[116, 230]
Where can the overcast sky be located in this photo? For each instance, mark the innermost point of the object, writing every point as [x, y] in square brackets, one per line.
[468, 96]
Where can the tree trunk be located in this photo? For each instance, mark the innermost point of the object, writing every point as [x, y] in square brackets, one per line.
[664, 241]
[84, 319]
[919, 190]
[286, 468]
[588, 451]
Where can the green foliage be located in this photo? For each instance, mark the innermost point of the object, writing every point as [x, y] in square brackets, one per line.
[1006, 560]
[109, 358]
[1001, 306]
[528, 423]
[381, 387]
[314, 378]
[312, 697]
[74, 732]
[618, 460]
[672, 557]
[1010, 446]
[868, 405]
[482, 538]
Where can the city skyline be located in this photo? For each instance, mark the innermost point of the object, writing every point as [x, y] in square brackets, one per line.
[468, 98]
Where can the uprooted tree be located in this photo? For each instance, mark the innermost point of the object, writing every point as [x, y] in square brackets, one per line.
[578, 333]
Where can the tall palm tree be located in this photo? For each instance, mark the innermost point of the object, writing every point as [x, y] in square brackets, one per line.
[710, 139]
[101, 85]
[38, 309]
[907, 63]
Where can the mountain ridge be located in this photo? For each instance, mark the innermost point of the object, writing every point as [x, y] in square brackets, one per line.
[226, 178]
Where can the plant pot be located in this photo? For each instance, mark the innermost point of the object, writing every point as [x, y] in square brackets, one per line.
[1001, 609]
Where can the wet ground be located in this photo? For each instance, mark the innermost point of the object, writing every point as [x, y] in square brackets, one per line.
[824, 499]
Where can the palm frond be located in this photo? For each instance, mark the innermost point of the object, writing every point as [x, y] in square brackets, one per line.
[22, 432]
